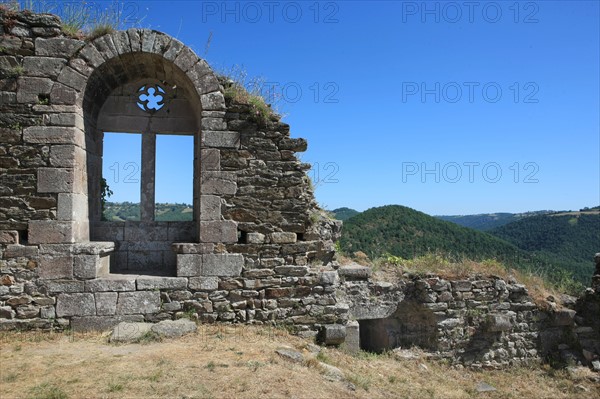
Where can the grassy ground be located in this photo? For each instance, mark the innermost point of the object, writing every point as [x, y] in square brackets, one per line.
[240, 362]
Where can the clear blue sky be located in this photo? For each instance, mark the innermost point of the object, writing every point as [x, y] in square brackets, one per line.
[452, 109]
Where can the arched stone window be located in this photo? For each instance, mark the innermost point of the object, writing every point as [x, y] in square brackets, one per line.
[150, 96]
[143, 82]
[148, 107]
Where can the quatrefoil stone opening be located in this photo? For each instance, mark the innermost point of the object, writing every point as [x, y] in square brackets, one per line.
[151, 98]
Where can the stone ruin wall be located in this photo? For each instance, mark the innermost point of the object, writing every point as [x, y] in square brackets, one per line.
[259, 251]
[480, 321]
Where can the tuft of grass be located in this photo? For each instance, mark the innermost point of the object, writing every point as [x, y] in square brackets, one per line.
[323, 357]
[190, 314]
[239, 88]
[254, 365]
[359, 380]
[211, 366]
[115, 387]
[16, 71]
[155, 377]
[86, 20]
[10, 377]
[12, 73]
[47, 391]
[148, 338]
[100, 30]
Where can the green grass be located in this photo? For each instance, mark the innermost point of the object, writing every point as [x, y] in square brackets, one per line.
[322, 356]
[10, 377]
[148, 338]
[360, 381]
[47, 391]
[115, 387]
[211, 366]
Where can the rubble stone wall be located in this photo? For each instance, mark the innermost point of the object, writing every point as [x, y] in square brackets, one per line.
[259, 249]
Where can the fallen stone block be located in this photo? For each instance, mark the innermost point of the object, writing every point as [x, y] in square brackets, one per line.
[290, 354]
[129, 332]
[334, 334]
[174, 329]
[355, 272]
[330, 372]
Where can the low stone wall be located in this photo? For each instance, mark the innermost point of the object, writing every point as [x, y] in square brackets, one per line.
[480, 321]
[300, 296]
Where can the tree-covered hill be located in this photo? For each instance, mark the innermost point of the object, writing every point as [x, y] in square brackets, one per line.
[405, 232]
[570, 239]
[344, 213]
[122, 211]
[488, 221]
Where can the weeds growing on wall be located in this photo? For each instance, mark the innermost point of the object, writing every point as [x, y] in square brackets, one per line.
[241, 88]
[541, 284]
[84, 19]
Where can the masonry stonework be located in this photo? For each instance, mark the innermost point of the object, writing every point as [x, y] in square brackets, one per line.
[257, 246]
[259, 250]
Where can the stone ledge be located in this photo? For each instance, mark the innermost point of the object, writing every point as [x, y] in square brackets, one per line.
[94, 248]
[154, 283]
[111, 283]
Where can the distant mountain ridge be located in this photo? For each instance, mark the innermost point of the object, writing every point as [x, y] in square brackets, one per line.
[165, 212]
[562, 241]
[344, 213]
[569, 239]
[488, 221]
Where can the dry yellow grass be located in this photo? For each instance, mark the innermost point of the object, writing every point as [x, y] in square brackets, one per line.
[240, 362]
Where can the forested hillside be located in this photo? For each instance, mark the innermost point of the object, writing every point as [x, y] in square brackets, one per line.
[569, 239]
[404, 232]
[344, 213]
[488, 221]
[122, 211]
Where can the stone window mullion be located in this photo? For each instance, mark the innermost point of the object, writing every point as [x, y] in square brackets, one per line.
[148, 177]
